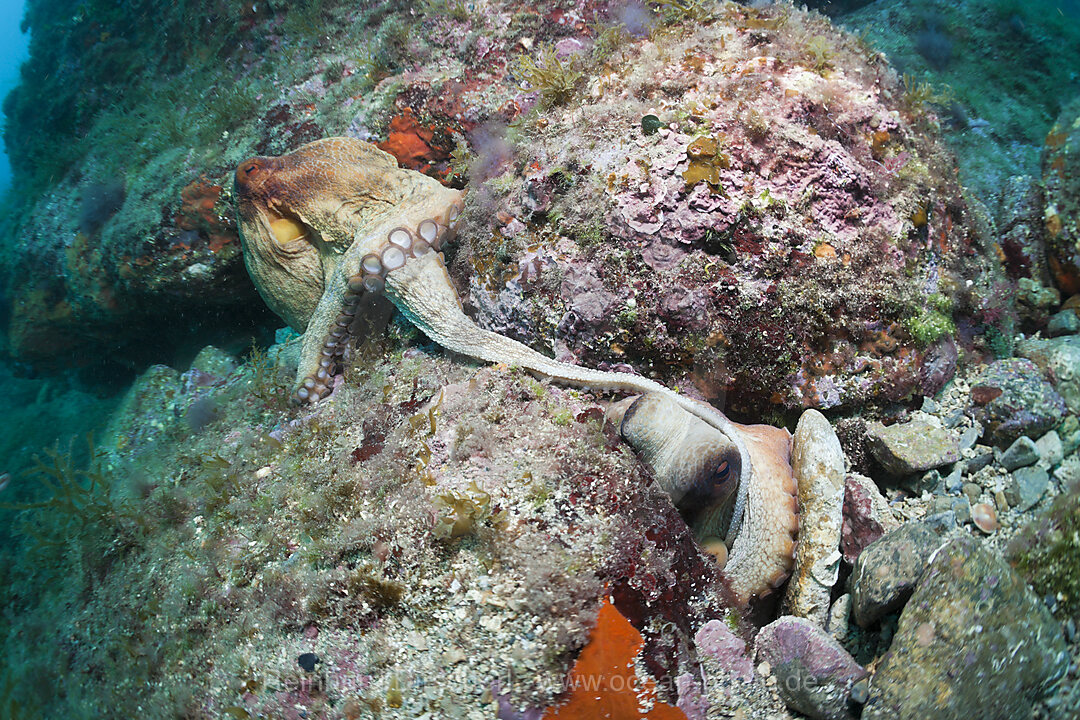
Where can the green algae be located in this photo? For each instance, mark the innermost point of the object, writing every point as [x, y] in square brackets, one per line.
[1046, 551]
[932, 322]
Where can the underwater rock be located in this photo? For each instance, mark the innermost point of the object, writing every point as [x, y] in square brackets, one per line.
[1066, 322]
[973, 641]
[1026, 486]
[817, 463]
[887, 570]
[1059, 358]
[814, 674]
[718, 642]
[1061, 176]
[1021, 453]
[1051, 450]
[1012, 398]
[866, 516]
[912, 447]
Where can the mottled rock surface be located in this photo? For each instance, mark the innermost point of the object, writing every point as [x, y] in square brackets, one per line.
[973, 641]
[1013, 398]
[886, 572]
[911, 447]
[1061, 175]
[1059, 358]
[866, 516]
[1026, 487]
[814, 673]
[1021, 453]
[817, 464]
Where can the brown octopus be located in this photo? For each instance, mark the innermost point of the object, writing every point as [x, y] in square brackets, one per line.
[330, 227]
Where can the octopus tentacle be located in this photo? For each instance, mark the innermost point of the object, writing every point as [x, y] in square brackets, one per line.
[423, 292]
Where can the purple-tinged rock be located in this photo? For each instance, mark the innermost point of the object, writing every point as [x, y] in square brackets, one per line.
[866, 516]
[814, 673]
[691, 701]
[717, 641]
[973, 642]
[1012, 398]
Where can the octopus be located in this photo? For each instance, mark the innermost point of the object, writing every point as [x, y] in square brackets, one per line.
[334, 228]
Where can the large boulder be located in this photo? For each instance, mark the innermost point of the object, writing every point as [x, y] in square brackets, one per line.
[749, 206]
[973, 641]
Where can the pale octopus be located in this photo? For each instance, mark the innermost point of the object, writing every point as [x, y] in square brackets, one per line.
[332, 225]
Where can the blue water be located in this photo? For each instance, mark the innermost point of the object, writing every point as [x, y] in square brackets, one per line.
[13, 44]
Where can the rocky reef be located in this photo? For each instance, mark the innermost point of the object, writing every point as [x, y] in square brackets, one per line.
[744, 203]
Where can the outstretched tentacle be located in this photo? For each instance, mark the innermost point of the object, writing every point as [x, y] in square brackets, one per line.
[422, 290]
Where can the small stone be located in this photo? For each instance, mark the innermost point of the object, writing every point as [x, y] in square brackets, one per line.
[308, 661]
[911, 447]
[981, 459]
[1000, 502]
[1065, 322]
[973, 642]
[718, 642]
[972, 492]
[969, 438]
[1051, 451]
[985, 517]
[1069, 471]
[814, 673]
[954, 481]
[959, 506]
[1026, 487]
[1069, 432]
[1021, 453]
[929, 406]
[839, 615]
[817, 464]
[887, 570]
[1059, 358]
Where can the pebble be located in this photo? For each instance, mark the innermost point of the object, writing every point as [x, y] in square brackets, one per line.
[972, 492]
[911, 447]
[817, 464]
[954, 481]
[981, 459]
[1069, 471]
[887, 570]
[958, 506]
[1069, 432]
[718, 642]
[814, 673]
[1026, 487]
[1021, 453]
[973, 642]
[969, 438]
[1051, 450]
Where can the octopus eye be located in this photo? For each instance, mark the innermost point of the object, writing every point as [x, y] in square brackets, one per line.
[286, 230]
[722, 472]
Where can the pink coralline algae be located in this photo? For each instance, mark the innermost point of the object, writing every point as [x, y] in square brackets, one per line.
[785, 213]
[715, 640]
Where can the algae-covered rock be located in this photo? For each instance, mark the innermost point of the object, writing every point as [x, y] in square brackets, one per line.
[912, 447]
[973, 641]
[1061, 175]
[1012, 398]
[786, 234]
[1059, 358]
[888, 569]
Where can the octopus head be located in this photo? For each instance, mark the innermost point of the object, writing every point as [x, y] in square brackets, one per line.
[300, 212]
